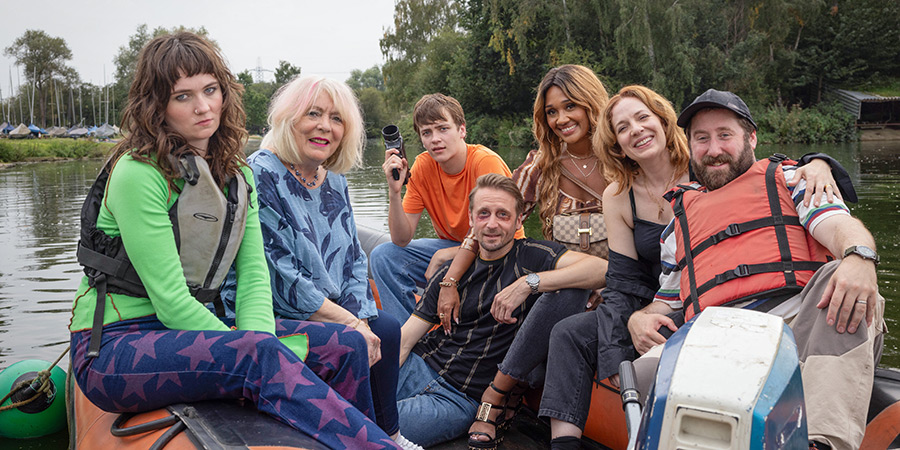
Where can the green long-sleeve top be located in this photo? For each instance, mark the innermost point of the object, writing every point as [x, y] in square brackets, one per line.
[135, 206]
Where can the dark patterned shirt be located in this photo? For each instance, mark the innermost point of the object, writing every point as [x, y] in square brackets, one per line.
[469, 356]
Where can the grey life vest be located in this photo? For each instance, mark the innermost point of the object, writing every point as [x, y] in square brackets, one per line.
[208, 226]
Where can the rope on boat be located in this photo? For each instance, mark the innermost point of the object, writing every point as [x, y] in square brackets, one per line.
[46, 384]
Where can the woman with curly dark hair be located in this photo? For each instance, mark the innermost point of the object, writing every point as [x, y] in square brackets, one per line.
[170, 213]
[563, 177]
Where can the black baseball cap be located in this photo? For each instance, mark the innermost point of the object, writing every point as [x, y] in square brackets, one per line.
[716, 99]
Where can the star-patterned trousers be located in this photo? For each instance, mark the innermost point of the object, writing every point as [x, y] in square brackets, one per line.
[144, 366]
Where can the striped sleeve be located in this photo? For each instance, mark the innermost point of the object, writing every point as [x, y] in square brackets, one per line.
[811, 216]
[670, 277]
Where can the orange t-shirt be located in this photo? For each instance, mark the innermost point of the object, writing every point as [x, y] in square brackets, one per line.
[446, 197]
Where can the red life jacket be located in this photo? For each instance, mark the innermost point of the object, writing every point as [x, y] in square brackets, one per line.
[746, 241]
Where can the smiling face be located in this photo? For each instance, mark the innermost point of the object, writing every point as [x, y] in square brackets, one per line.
[568, 120]
[639, 132]
[494, 221]
[720, 149]
[318, 133]
[195, 108]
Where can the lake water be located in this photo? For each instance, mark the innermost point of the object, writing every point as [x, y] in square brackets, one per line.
[39, 219]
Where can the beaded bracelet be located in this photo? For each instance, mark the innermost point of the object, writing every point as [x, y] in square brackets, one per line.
[449, 282]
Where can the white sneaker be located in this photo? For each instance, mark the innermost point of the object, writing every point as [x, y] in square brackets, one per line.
[406, 444]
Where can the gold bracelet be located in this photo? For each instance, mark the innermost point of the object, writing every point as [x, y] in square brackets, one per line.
[449, 282]
[468, 244]
[356, 324]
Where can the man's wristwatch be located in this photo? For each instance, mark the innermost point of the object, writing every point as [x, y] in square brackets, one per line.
[863, 252]
[533, 280]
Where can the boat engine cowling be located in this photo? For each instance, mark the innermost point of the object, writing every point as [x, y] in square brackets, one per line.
[729, 379]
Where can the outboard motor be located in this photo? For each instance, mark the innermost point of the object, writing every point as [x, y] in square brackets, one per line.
[730, 379]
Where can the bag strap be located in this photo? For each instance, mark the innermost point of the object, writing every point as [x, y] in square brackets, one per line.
[579, 183]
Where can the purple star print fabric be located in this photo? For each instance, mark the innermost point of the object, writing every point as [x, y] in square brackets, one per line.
[144, 366]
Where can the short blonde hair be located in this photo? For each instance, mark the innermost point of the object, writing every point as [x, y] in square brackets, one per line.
[294, 100]
[616, 164]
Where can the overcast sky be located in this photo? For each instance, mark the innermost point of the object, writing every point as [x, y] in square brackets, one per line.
[326, 37]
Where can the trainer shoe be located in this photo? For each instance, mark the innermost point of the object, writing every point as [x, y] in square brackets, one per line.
[406, 444]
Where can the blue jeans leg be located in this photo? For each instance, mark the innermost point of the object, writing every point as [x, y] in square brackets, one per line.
[431, 410]
[385, 373]
[397, 270]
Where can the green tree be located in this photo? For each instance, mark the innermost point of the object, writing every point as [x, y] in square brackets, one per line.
[245, 78]
[42, 56]
[375, 112]
[256, 104]
[416, 23]
[848, 44]
[371, 77]
[285, 72]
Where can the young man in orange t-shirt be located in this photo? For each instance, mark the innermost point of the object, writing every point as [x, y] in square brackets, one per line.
[440, 184]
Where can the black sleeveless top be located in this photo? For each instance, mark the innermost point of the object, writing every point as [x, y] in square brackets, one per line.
[646, 240]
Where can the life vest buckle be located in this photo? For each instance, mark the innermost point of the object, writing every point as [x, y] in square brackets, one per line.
[742, 270]
[733, 230]
[778, 157]
[788, 266]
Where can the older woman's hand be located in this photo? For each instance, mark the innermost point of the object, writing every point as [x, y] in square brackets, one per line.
[819, 180]
[373, 342]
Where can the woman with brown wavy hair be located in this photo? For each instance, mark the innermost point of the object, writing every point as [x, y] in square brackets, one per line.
[170, 213]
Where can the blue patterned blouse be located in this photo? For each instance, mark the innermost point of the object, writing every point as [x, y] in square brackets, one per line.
[310, 240]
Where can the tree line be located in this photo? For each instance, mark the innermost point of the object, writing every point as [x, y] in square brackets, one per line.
[781, 56]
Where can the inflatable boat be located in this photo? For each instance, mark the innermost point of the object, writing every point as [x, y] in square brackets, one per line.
[232, 424]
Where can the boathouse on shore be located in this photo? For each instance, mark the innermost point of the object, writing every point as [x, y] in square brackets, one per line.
[870, 110]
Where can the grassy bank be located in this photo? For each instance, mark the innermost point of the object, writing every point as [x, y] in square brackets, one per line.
[826, 122]
[16, 150]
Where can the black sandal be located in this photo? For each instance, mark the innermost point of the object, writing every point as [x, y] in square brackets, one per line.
[513, 402]
[483, 415]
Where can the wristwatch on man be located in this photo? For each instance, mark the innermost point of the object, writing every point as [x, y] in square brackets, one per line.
[863, 252]
[533, 280]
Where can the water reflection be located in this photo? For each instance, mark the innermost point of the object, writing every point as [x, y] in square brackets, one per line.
[39, 220]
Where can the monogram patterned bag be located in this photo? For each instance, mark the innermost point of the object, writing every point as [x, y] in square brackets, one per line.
[582, 230]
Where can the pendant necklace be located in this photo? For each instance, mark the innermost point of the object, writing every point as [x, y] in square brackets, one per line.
[303, 180]
[659, 204]
[583, 165]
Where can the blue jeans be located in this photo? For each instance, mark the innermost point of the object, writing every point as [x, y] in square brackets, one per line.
[385, 372]
[431, 410]
[397, 270]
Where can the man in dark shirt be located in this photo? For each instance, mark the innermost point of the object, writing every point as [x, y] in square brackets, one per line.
[443, 374]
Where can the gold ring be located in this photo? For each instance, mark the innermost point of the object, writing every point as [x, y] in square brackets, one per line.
[828, 186]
